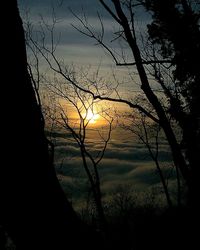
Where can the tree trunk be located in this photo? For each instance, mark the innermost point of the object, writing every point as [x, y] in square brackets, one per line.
[34, 209]
[178, 158]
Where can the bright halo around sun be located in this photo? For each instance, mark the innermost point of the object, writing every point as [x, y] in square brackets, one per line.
[91, 117]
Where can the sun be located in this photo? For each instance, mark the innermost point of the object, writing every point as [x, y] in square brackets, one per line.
[91, 116]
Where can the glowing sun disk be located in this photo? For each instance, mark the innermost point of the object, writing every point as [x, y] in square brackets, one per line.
[90, 116]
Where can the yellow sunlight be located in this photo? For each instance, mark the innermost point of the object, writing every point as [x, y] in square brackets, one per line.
[91, 117]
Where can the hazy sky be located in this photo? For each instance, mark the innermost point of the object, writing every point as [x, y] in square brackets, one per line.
[73, 46]
[125, 160]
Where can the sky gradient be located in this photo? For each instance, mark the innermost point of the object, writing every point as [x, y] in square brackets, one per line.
[126, 160]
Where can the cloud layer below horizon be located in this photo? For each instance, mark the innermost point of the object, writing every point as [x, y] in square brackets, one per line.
[126, 162]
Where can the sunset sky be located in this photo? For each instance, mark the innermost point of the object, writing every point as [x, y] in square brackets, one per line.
[73, 46]
[126, 160]
[76, 49]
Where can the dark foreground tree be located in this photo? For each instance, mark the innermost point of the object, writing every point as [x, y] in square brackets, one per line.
[178, 39]
[34, 210]
[166, 61]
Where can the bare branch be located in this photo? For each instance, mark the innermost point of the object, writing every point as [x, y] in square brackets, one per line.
[145, 62]
[110, 11]
[106, 142]
[130, 104]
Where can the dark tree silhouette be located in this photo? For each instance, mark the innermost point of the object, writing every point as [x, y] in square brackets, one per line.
[178, 38]
[170, 55]
[34, 210]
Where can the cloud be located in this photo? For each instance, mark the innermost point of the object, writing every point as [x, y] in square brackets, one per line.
[90, 7]
[125, 160]
[73, 46]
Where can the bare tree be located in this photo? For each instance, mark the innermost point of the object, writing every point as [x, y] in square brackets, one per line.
[76, 112]
[149, 133]
[166, 100]
[63, 95]
[160, 93]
